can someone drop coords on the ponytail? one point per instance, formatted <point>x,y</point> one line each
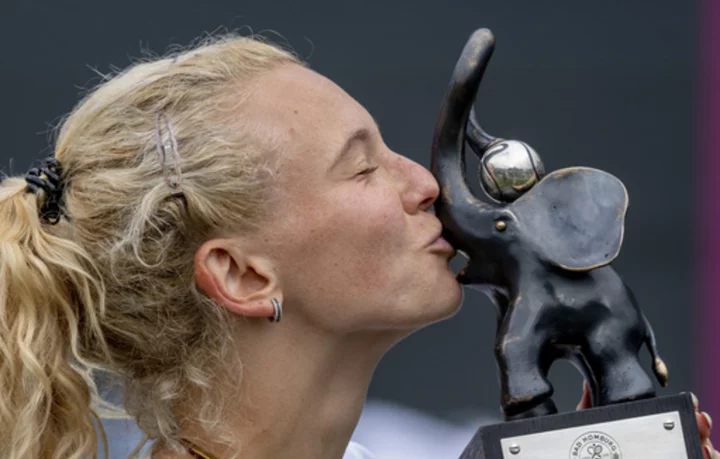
<point>51,299</point>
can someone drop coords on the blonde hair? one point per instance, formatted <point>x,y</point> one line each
<point>111,288</point>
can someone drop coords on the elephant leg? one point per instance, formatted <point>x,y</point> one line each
<point>523,375</point>
<point>619,375</point>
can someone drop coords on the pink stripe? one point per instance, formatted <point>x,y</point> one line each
<point>708,316</point>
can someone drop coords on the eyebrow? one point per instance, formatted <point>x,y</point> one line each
<point>359,135</point>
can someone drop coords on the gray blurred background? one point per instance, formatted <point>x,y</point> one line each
<point>604,84</point>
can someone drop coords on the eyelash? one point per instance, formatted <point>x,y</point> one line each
<point>368,170</point>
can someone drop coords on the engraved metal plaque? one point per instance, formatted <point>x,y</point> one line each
<point>657,436</point>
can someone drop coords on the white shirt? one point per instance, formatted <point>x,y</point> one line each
<point>357,451</point>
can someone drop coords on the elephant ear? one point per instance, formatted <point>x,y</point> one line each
<point>574,217</point>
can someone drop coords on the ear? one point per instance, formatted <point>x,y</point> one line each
<point>574,217</point>
<point>241,283</point>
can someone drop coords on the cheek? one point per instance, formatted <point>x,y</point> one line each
<point>377,227</point>
<point>353,239</point>
<point>379,220</point>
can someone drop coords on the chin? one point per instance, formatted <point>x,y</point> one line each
<point>454,300</point>
<point>426,306</point>
<point>444,303</point>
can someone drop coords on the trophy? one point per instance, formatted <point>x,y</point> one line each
<point>540,246</point>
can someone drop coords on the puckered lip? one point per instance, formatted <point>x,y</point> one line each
<point>440,244</point>
<point>433,239</point>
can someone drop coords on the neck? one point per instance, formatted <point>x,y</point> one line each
<point>301,393</point>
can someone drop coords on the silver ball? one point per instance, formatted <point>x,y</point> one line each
<point>510,168</point>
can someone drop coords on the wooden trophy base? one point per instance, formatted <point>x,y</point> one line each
<point>657,428</point>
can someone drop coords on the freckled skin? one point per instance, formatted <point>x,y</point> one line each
<point>351,248</point>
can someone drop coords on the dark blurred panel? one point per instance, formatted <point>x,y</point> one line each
<point>603,84</point>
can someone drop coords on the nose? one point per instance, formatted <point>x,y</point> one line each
<point>418,186</point>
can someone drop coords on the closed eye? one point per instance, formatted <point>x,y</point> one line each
<point>368,170</point>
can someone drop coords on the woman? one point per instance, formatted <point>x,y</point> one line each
<point>191,199</point>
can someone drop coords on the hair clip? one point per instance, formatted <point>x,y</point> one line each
<point>168,147</point>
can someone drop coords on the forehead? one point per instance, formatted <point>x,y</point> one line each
<point>306,108</point>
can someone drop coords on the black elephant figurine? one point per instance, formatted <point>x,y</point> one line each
<point>541,250</point>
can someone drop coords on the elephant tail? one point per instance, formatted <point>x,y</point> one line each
<point>659,367</point>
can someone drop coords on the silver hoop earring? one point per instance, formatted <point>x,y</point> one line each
<point>277,314</point>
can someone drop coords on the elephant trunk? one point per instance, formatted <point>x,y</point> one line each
<point>457,207</point>
<point>477,138</point>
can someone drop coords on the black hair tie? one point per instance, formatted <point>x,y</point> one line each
<point>48,176</point>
